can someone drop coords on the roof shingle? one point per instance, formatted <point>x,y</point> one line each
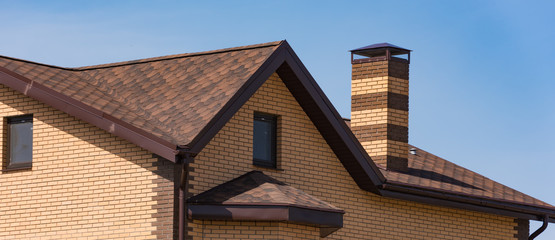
<point>434,173</point>
<point>257,188</point>
<point>427,171</point>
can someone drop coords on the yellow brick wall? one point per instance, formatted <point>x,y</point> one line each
<point>380,116</point>
<point>240,230</point>
<point>306,162</point>
<point>378,84</point>
<point>84,184</point>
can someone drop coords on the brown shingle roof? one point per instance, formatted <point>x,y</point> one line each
<point>431,172</point>
<point>256,196</point>
<point>257,188</point>
<point>171,97</point>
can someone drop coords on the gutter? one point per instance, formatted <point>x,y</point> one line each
<point>464,202</point>
<point>88,114</point>
<point>541,229</point>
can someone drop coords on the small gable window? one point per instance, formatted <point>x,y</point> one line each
<point>20,141</point>
<point>264,140</point>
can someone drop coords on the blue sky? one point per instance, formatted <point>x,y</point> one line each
<point>482,77</point>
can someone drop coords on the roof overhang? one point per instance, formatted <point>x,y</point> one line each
<point>327,221</point>
<point>88,114</point>
<point>448,199</point>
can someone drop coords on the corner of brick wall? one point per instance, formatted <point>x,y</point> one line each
<point>522,229</point>
<point>188,194</point>
<point>165,207</point>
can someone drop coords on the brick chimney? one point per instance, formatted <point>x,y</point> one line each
<point>380,103</point>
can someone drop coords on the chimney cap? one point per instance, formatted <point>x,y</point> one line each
<point>381,45</point>
<point>379,49</point>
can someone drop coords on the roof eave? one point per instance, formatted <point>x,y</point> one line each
<point>328,222</point>
<point>443,198</point>
<point>88,114</point>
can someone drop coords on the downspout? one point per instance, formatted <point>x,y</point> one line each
<point>541,229</point>
<point>183,188</point>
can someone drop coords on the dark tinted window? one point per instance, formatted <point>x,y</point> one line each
<point>20,141</point>
<point>264,140</point>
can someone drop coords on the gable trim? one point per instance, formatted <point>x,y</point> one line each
<point>236,102</point>
<point>88,114</point>
<point>337,134</point>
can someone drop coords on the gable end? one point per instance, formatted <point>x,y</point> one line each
<point>314,102</point>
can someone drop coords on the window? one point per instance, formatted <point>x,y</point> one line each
<point>264,140</point>
<point>20,141</point>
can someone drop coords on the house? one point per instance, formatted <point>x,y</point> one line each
<point>237,143</point>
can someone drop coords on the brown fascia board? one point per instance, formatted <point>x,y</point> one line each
<point>274,204</point>
<point>88,114</point>
<point>330,221</point>
<point>306,91</point>
<point>448,199</point>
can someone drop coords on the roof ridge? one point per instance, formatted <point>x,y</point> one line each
<point>175,56</point>
<point>36,63</point>
<point>151,59</point>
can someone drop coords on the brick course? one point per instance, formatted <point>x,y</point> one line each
<point>240,230</point>
<point>380,100</point>
<point>166,209</point>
